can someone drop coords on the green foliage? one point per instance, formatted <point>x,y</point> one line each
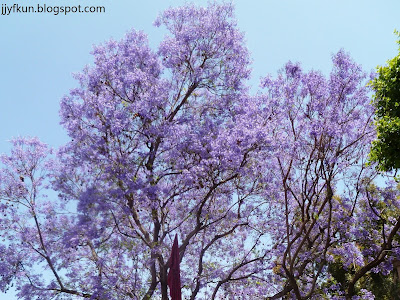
<point>339,273</point>
<point>383,287</point>
<point>386,148</point>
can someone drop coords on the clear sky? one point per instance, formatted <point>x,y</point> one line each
<point>39,52</point>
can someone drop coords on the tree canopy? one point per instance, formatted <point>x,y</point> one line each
<point>386,85</point>
<point>269,193</point>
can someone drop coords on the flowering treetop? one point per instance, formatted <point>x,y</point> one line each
<point>269,193</point>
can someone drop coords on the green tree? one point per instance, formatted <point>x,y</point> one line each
<point>386,148</point>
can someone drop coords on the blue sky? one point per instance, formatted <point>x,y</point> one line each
<point>39,52</point>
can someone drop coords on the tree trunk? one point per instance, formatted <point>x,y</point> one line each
<point>164,282</point>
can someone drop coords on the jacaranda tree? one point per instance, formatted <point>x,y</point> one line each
<point>269,194</point>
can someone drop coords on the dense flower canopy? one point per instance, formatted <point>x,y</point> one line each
<point>269,193</point>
